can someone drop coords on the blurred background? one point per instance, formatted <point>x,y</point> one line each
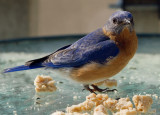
<point>30,18</point>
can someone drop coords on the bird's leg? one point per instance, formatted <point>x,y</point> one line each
<point>102,90</point>
<point>89,89</point>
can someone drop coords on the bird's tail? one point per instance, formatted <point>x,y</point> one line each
<point>32,64</point>
<point>21,68</point>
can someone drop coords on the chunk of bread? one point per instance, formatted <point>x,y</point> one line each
<point>142,103</point>
<point>100,110</point>
<point>127,112</point>
<point>44,84</point>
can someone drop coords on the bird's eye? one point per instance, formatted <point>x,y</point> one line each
<point>115,20</point>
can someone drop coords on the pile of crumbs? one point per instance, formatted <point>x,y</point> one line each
<point>44,84</point>
<point>101,104</point>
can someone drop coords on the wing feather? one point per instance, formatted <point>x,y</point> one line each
<point>75,57</point>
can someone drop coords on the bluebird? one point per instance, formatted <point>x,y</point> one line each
<point>96,56</point>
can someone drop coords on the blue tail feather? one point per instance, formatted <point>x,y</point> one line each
<point>21,68</point>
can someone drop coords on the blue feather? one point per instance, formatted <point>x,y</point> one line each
<point>78,57</point>
<point>20,68</point>
<point>91,39</point>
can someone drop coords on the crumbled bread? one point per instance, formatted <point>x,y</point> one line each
<point>142,102</point>
<point>74,108</point>
<point>101,103</point>
<point>127,112</point>
<point>100,110</point>
<point>124,103</point>
<point>97,99</point>
<point>91,101</point>
<point>91,97</point>
<point>107,83</point>
<point>44,84</point>
<point>110,104</point>
<point>85,106</point>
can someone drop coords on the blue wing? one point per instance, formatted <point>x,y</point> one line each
<point>91,39</point>
<point>76,57</point>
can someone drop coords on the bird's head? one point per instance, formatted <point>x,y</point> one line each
<point>120,20</point>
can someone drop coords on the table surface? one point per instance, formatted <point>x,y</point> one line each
<point>17,93</point>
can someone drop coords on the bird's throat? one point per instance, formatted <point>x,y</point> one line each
<point>126,41</point>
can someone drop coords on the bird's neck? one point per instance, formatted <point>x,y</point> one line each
<point>126,41</point>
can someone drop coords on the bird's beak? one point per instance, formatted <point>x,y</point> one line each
<point>128,22</point>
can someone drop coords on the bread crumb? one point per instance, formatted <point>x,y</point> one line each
<point>107,83</point>
<point>100,104</point>
<point>100,110</point>
<point>97,99</point>
<point>91,101</point>
<point>75,97</point>
<point>142,103</point>
<point>85,106</point>
<point>44,84</point>
<point>124,103</point>
<point>110,104</point>
<point>127,112</point>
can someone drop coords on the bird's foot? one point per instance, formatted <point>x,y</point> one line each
<point>89,89</point>
<point>106,90</point>
<point>96,88</point>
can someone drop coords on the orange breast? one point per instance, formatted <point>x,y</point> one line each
<point>92,73</point>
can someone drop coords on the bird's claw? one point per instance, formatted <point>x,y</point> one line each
<point>89,89</point>
<point>96,88</point>
<point>108,90</point>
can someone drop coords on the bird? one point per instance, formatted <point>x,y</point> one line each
<point>95,57</point>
